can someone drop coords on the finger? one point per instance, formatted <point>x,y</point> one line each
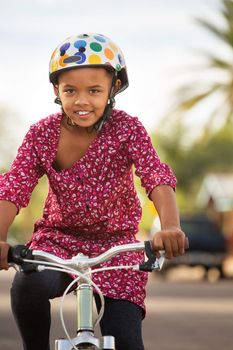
<point>181,244</point>
<point>157,243</point>
<point>175,247</point>
<point>168,249</point>
<point>3,256</point>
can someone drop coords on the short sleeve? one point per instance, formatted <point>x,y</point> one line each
<point>151,171</point>
<point>17,185</point>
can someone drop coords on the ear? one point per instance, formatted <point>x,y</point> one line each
<point>57,99</point>
<point>117,86</point>
<point>55,89</point>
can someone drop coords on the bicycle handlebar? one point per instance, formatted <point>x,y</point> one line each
<point>20,254</point>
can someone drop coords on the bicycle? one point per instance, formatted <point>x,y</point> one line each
<point>81,266</point>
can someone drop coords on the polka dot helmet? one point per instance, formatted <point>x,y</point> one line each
<point>91,49</point>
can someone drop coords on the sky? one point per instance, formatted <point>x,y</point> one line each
<point>158,38</point>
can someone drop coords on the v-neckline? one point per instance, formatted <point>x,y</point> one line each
<point>80,160</point>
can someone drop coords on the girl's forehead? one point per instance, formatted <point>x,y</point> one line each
<point>85,74</point>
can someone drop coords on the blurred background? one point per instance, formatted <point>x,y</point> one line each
<point>179,55</point>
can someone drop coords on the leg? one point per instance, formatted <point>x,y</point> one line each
<point>123,320</point>
<point>30,294</point>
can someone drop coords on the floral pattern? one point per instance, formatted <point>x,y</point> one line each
<point>93,205</point>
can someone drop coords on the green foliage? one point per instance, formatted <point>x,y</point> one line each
<point>210,153</point>
<point>211,84</point>
<point>213,150</point>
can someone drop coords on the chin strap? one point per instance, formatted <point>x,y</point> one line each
<point>58,101</point>
<point>107,112</point>
<point>109,107</point>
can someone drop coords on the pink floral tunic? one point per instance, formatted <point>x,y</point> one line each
<point>93,205</point>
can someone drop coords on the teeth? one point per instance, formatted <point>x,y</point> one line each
<point>82,112</point>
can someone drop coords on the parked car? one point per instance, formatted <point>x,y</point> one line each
<point>207,246</point>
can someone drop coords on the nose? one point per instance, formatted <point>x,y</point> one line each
<point>81,99</point>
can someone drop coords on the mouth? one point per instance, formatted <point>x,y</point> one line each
<point>83,114</point>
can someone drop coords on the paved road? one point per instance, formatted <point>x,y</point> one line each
<point>182,315</point>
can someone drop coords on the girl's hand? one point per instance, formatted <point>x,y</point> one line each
<point>171,240</point>
<point>4,247</point>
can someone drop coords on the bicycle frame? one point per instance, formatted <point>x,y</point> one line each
<point>80,265</point>
<point>85,338</point>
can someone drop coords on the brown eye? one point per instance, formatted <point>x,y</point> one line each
<point>69,91</point>
<point>93,91</point>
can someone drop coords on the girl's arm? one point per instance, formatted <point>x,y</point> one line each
<point>170,238</point>
<point>8,212</point>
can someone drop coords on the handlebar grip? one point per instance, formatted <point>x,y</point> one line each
<point>17,253</point>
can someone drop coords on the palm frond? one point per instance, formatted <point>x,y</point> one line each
<point>217,62</point>
<point>190,102</point>
<point>189,95</point>
<point>227,12</point>
<point>225,36</point>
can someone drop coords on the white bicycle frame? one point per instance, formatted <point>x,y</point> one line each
<point>81,266</point>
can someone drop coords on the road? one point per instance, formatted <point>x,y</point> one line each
<point>182,314</point>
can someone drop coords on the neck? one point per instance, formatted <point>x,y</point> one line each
<point>70,125</point>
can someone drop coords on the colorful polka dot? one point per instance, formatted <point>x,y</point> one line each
<point>94,59</point>
<point>83,36</point>
<point>113,46</point>
<point>100,38</point>
<point>72,59</point>
<point>54,66</point>
<point>64,48</point>
<point>118,67</point>
<point>121,59</point>
<point>81,56</point>
<point>80,43</point>
<point>61,60</point>
<point>109,54</point>
<point>54,53</point>
<point>96,47</point>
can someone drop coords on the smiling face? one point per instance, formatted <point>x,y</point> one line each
<point>84,94</point>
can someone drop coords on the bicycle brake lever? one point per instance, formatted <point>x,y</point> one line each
<point>153,263</point>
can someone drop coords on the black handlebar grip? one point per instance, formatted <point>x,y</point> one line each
<point>17,253</point>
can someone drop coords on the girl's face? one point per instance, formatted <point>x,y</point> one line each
<point>84,94</point>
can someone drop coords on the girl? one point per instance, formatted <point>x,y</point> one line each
<point>87,152</point>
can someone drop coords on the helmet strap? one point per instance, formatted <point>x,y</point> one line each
<point>58,100</point>
<point>109,107</point>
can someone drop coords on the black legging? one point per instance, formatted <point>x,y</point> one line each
<point>30,294</point>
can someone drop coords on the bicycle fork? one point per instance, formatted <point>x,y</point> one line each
<point>85,338</point>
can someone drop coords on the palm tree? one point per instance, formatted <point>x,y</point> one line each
<point>190,95</point>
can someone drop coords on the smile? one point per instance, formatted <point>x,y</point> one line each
<point>83,112</point>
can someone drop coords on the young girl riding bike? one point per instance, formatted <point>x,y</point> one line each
<point>87,152</point>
